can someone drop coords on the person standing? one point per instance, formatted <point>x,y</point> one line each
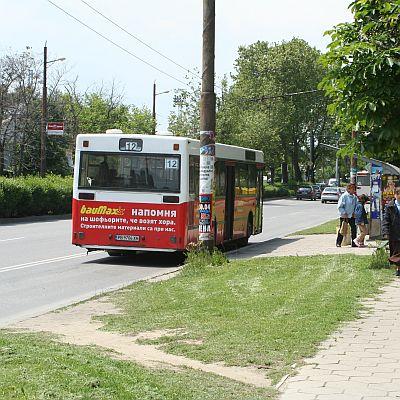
<point>391,226</point>
<point>361,220</point>
<point>347,206</point>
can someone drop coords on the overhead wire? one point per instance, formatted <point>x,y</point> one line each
<point>259,99</point>
<point>140,40</point>
<point>280,96</point>
<point>117,45</point>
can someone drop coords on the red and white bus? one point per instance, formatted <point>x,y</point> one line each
<point>140,192</point>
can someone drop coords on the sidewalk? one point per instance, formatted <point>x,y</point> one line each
<point>362,360</point>
<point>307,245</point>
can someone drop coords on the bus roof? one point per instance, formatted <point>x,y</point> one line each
<point>163,144</point>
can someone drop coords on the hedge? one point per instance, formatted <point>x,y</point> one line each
<point>32,195</point>
<point>276,191</point>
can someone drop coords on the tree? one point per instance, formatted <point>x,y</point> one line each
<point>184,120</point>
<point>19,78</point>
<point>286,126</point>
<point>363,75</point>
<point>20,115</point>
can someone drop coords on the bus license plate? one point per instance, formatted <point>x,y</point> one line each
<point>127,238</point>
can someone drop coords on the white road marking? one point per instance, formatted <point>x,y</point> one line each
<point>7,240</point>
<point>40,262</point>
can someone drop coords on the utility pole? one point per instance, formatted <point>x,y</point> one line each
<point>44,116</point>
<point>312,158</point>
<point>337,170</point>
<point>154,108</point>
<point>207,128</point>
<point>353,166</point>
<point>155,94</point>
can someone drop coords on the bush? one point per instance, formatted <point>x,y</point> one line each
<point>379,258</point>
<point>32,195</point>
<point>277,190</point>
<point>198,259</point>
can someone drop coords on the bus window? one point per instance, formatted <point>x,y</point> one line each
<point>237,180</point>
<point>244,179</point>
<point>194,175</point>
<point>133,172</point>
<point>252,179</point>
<point>220,178</point>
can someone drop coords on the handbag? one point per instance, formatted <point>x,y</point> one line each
<point>344,228</point>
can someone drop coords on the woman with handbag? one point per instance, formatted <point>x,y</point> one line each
<point>346,207</point>
<point>391,229</point>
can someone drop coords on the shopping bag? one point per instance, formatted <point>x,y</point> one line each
<point>344,228</point>
<point>347,239</point>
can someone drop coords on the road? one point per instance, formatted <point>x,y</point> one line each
<point>41,271</point>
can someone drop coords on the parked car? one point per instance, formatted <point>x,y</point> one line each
<point>306,192</point>
<point>317,190</point>
<point>331,193</point>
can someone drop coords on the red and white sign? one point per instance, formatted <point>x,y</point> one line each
<point>55,128</point>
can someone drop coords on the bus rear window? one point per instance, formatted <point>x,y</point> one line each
<point>133,172</point>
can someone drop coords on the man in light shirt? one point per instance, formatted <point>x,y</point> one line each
<point>346,207</point>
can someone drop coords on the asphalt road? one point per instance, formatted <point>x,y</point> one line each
<point>40,270</point>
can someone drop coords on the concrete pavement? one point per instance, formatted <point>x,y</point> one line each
<point>362,360</point>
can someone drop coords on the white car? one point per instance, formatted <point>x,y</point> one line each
<point>331,193</point>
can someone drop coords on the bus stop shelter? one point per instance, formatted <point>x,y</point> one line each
<point>384,178</point>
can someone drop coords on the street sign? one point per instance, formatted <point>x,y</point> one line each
<point>55,128</point>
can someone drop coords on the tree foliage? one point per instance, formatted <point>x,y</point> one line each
<point>88,112</point>
<point>363,74</point>
<point>254,110</point>
<point>261,113</point>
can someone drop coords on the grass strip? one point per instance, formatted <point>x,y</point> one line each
<point>269,312</point>
<point>325,228</point>
<point>34,367</point>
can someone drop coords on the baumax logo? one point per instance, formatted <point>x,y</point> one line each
<point>102,210</point>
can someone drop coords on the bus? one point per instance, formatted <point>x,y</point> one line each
<point>141,192</point>
<point>363,183</point>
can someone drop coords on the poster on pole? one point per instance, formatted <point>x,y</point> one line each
<point>55,128</point>
<point>376,191</point>
<point>206,184</point>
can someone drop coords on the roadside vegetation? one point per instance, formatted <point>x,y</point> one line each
<point>325,228</point>
<point>265,312</point>
<point>32,195</point>
<point>277,190</point>
<point>34,367</point>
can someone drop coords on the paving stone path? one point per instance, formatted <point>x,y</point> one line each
<point>360,362</point>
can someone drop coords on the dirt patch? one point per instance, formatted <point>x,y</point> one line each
<point>75,325</point>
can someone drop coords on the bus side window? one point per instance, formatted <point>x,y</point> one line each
<point>194,169</point>
<point>220,178</point>
<point>237,179</point>
<point>244,179</point>
<point>252,179</point>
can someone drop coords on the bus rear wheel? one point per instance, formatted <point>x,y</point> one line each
<point>249,231</point>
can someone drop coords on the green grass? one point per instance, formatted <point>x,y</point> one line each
<point>327,227</point>
<point>266,311</point>
<point>34,367</point>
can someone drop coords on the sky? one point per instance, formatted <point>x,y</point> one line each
<point>173,27</point>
